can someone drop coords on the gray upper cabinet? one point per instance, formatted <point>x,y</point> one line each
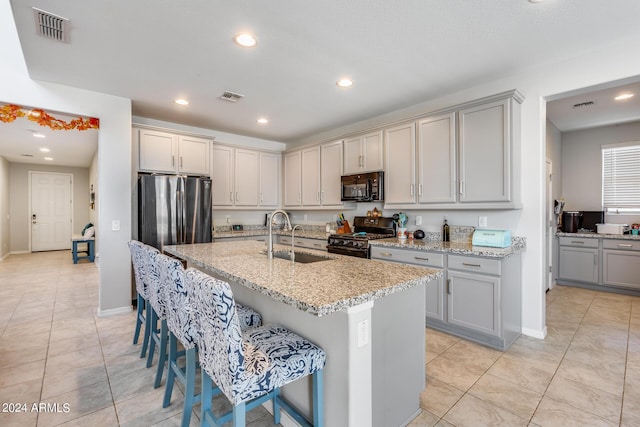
<point>437,159</point>
<point>363,153</point>
<point>485,153</point>
<point>400,164</point>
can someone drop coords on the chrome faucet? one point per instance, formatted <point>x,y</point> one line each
<point>270,241</point>
<point>293,240</point>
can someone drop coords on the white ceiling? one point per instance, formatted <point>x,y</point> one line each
<point>397,53</point>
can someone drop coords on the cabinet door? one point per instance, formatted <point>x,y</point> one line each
<point>222,175</point>
<point>621,268</point>
<point>352,155</point>
<point>485,153</point>
<point>578,264</point>
<point>311,177</point>
<point>435,299</point>
<point>246,177</point>
<point>474,302</point>
<point>292,179</point>
<point>157,151</point>
<point>193,155</point>
<point>330,173</point>
<point>399,152</point>
<point>269,179</point>
<point>437,159</point>
<point>372,152</point>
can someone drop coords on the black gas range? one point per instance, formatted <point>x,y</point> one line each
<point>364,229</point>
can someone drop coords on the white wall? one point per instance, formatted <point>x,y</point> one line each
<point>114,150</point>
<point>4,208</point>
<point>554,153</point>
<point>19,200</point>
<point>582,166</point>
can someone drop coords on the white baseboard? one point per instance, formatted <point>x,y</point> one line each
<point>535,333</point>
<point>114,311</point>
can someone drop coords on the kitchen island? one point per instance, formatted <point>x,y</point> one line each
<point>367,315</point>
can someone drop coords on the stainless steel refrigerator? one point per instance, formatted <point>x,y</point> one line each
<point>173,210</point>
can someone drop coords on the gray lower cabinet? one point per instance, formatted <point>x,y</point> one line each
<point>435,288</point>
<point>621,263</point>
<point>579,260</point>
<point>304,242</point>
<point>477,298</point>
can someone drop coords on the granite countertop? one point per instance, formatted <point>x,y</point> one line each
<point>319,288</point>
<point>599,236</point>
<point>518,244</point>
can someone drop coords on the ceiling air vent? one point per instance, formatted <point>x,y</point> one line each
<point>584,104</point>
<point>51,26</point>
<point>231,96</point>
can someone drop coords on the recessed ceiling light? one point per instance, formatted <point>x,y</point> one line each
<point>344,82</point>
<point>44,150</point>
<point>263,121</point>
<point>245,40</point>
<point>48,158</point>
<point>181,101</point>
<point>623,96</point>
<point>38,135</point>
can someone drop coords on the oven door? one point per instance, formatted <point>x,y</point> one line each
<point>341,250</point>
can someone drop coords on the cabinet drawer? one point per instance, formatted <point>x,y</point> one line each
<point>583,242</point>
<point>622,245</point>
<point>427,259</point>
<point>473,264</point>
<point>303,242</point>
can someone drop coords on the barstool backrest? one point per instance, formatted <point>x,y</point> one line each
<point>179,314</point>
<point>155,286</point>
<point>138,258</point>
<point>220,344</point>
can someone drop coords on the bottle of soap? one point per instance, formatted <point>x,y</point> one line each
<point>445,231</point>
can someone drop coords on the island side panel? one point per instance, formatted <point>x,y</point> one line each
<point>345,390</point>
<point>398,356</point>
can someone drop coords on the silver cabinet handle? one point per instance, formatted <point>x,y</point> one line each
<point>420,190</point>
<point>577,242</point>
<point>322,196</point>
<point>261,197</point>
<point>461,187</point>
<point>231,196</point>
<point>421,259</point>
<point>317,245</point>
<point>386,254</point>
<point>412,189</point>
<point>236,196</point>
<point>173,161</point>
<point>624,245</point>
<point>471,265</point>
<point>448,286</point>
<point>595,259</point>
<point>180,161</point>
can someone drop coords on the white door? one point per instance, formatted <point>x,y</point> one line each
<point>330,173</point>
<point>51,207</point>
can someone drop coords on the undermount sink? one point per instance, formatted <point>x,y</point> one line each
<point>301,257</point>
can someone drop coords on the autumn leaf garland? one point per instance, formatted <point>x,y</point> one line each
<point>10,112</point>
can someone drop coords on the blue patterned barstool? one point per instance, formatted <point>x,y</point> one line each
<point>182,328</point>
<point>158,299</point>
<point>139,260</point>
<point>250,366</point>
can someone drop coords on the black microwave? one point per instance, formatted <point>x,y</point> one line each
<point>363,187</point>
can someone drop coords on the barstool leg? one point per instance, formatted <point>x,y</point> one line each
<point>189,387</point>
<point>139,316</point>
<point>147,328</point>
<point>205,402</point>
<point>239,415</point>
<point>162,352</point>
<point>318,399</point>
<point>153,337</point>
<point>173,351</point>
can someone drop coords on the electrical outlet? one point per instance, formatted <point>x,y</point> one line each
<point>228,219</point>
<point>363,333</point>
<point>419,220</point>
<point>482,221</point>
<point>115,225</point>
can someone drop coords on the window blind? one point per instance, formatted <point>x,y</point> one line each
<point>621,177</point>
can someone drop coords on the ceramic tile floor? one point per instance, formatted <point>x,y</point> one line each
<point>55,350</point>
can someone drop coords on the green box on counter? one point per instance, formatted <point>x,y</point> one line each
<point>492,238</point>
